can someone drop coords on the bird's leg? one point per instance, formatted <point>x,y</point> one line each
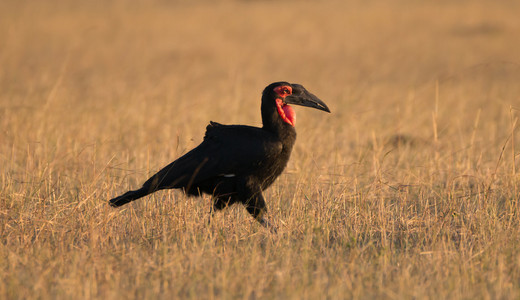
<point>219,203</point>
<point>210,214</point>
<point>255,205</point>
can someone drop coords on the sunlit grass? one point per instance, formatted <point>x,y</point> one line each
<point>409,189</point>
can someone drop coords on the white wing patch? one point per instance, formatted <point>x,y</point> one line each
<point>228,175</point>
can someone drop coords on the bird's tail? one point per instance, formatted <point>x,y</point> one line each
<point>128,197</point>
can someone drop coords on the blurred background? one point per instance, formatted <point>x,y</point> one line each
<point>378,64</point>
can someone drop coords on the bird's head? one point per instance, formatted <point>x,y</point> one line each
<point>281,94</point>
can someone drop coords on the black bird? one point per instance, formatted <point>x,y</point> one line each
<point>235,163</point>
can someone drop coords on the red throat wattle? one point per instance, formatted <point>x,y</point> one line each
<point>286,112</point>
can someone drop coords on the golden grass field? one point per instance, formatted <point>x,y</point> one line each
<point>408,190</point>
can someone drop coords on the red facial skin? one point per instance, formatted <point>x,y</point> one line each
<point>285,111</point>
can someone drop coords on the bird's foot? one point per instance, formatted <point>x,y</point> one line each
<point>268,225</point>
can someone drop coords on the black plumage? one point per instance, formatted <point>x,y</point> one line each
<point>235,163</point>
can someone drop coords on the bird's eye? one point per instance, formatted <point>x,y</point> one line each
<point>283,91</point>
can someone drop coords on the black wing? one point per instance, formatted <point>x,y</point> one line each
<point>227,150</point>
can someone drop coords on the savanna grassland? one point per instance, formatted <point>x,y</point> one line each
<point>409,189</point>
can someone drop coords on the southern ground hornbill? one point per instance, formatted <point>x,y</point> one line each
<point>235,163</point>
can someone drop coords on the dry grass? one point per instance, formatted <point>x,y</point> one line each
<point>408,190</point>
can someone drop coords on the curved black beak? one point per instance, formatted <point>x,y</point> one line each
<point>300,96</point>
